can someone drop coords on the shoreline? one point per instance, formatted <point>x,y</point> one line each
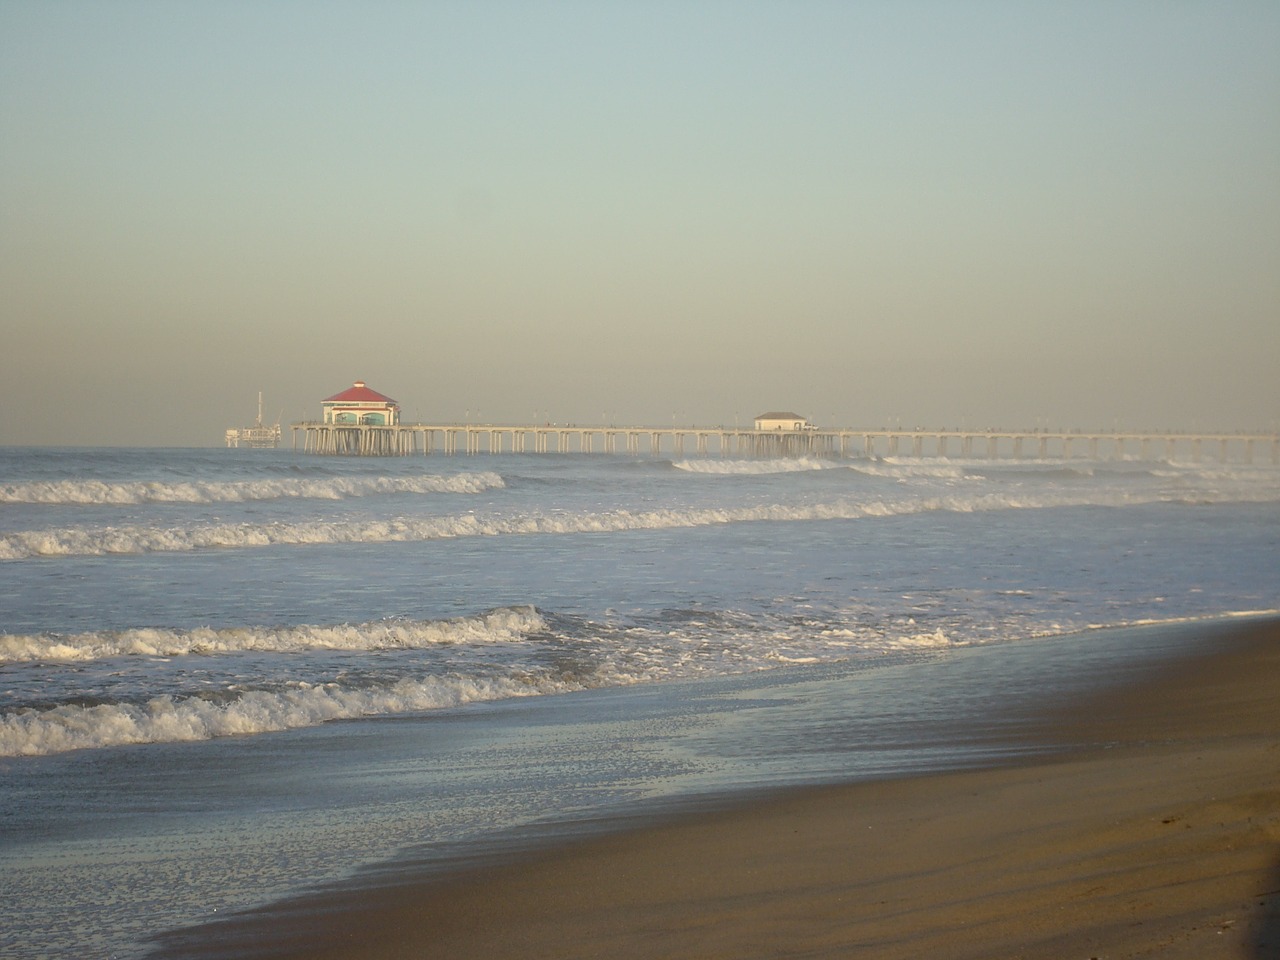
<point>1156,830</point>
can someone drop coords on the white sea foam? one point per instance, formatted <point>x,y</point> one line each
<point>234,491</point>
<point>880,643</point>
<point>754,467</point>
<point>32,732</point>
<point>129,539</point>
<point>505,625</point>
<point>634,656</point>
<point>901,468</point>
<point>240,711</point>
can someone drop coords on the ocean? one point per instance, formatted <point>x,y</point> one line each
<point>230,676</point>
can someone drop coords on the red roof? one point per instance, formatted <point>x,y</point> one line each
<point>358,393</point>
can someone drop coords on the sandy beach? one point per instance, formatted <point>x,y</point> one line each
<point>1156,833</point>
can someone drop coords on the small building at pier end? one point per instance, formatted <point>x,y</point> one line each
<point>360,405</point>
<point>782,421</point>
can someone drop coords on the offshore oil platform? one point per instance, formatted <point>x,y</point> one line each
<point>259,436</point>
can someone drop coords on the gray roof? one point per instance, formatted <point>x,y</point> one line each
<point>779,416</point>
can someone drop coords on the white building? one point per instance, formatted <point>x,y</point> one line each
<point>782,421</point>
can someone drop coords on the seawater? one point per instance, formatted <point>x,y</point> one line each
<point>226,675</point>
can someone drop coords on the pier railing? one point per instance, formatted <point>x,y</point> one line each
<point>407,439</point>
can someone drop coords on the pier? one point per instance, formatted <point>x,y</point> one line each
<point>449,439</point>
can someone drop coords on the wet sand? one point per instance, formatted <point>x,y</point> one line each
<point>1156,834</point>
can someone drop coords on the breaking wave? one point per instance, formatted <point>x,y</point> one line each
<point>754,467</point>
<point>607,658</point>
<point>896,468</point>
<point>131,539</point>
<point>33,732</point>
<point>505,625</point>
<point>234,491</point>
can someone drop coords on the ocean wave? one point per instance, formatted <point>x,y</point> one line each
<point>34,732</point>
<point>754,467</point>
<point>129,539</point>
<point>607,659</point>
<point>504,625</point>
<point>895,468</point>
<point>1212,471</point>
<point>79,492</point>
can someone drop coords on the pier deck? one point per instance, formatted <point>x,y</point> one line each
<point>407,439</point>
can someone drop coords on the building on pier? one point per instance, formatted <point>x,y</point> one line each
<point>782,421</point>
<point>358,405</point>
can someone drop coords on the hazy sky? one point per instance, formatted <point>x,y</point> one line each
<point>953,213</point>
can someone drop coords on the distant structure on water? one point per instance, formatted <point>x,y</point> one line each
<point>259,435</point>
<point>358,405</point>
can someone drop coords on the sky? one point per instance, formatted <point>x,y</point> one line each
<point>905,213</point>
